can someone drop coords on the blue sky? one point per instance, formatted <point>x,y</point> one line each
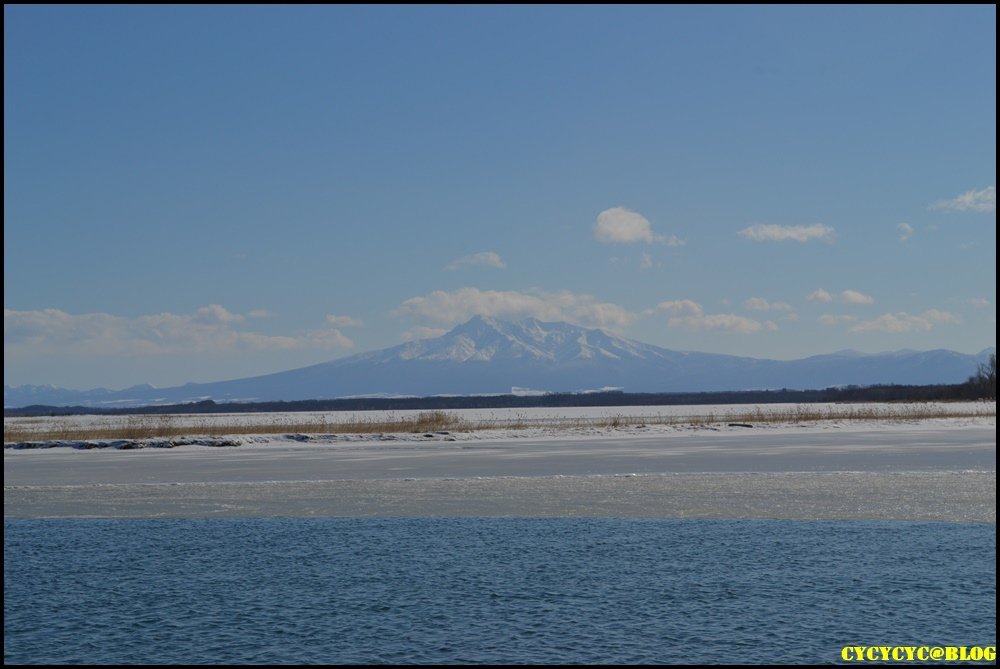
<point>200,193</point>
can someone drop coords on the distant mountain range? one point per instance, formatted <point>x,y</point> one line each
<point>489,356</point>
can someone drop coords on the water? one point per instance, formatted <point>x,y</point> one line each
<point>488,590</point>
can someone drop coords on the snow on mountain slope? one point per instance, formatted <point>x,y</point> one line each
<point>485,339</point>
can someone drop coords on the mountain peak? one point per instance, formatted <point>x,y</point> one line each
<point>476,323</point>
<point>483,338</point>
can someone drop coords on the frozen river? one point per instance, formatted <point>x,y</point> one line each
<point>906,472</point>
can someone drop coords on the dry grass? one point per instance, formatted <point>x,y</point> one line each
<point>167,426</point>
<point>806,414</point>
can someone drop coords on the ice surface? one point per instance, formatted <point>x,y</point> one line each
<point>941,469</point>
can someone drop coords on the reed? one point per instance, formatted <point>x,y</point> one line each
<point>137,427</point>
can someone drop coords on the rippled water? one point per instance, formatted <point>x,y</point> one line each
<point>488,590</point>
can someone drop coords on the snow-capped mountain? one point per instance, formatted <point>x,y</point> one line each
<point>487,339</point>
<point>486,355</point>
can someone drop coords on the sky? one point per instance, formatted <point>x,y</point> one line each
<point>203,193</point>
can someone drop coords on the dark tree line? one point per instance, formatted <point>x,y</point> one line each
<point>984,381</point>
<point>982,385</point>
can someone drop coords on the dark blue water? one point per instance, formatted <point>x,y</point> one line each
<point>488,590</point>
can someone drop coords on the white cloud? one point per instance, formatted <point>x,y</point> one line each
<point>728,322</point>
<point>984,200</point>
<point>780,233</point>
<point>422,332</point>
<point>260,313</point>
<point>680,308</point>
<point>819,295</point>
<point>619,225</point>
<point>903,322</point>
<point>328,338</point>
<point>831,319</point>
<point>760,304</point>
<point>211,329</point>
<point>215,314</point>
<point>846,296</point>
<point>905,231</point>
<point>343,321</point>
<point>674,241</point>
<point>854,297</point>
<point>689,315</point>
<point>443,307</point>
<point>645,261</point>
<point>483,259</point>
<point>979,302</point>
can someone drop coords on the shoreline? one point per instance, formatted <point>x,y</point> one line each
<point>135,432</point>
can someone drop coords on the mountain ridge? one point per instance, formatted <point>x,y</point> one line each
<point>491,356</point>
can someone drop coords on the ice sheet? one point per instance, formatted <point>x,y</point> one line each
<point>939,469</point>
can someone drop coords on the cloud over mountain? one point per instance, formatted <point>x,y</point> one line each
<point>450,307</point>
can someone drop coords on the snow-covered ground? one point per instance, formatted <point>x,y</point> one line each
<point>562,422</point>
